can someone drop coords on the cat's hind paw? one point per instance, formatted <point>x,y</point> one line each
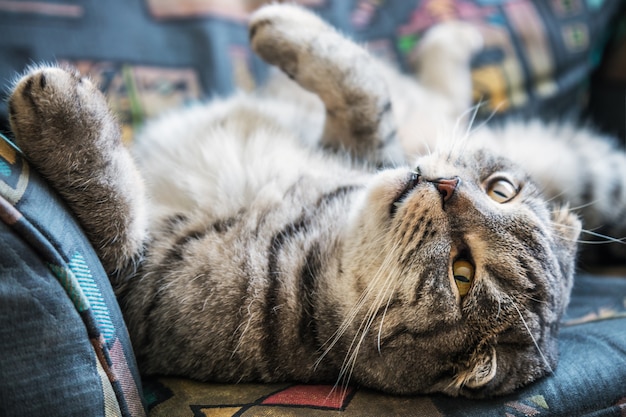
<point>283,36</point>
<point>342,74</point>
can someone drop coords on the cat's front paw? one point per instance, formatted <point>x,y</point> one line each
<point>52,108</point>
<point>62,123</point>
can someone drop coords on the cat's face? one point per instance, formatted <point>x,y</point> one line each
<point>456,287</point>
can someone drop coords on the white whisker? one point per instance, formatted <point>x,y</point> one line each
<point>536,300</point>
<point>370,315</point>
<point>493,113</point>
<point>556,196</point>
<point>379,279</point>
<point>382,320</point>
<point>582,206</point>
<point>608,239</point>
<point>430,152</point>
<point>543,358</point>
<point>606,242</point>
<point>499,308</point>
<point>471,122</point>
<point>245,328</point>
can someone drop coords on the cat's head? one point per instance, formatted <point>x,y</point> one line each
<point>457,274</point>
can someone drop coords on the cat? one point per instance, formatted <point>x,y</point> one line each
<point>358,232</point>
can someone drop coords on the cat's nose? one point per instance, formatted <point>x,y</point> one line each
<point>446,187</point>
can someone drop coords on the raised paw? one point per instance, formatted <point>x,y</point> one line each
<point>52,107</point>
<point>455,40</point>
<point>280,34</point>
<point>63,125</point>
<point>343,75</point>
<point>443,60</point>
<point>59,117</point>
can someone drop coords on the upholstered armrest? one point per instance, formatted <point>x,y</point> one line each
<point>64,348</point>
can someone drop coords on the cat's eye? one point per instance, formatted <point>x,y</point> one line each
<point>501,190</point>
<point>463,272</point>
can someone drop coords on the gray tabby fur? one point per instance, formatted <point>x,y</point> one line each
<point>264,238</point>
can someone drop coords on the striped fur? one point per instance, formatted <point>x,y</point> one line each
<point>269,246</point>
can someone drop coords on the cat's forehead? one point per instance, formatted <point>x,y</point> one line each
<point>471,162</point>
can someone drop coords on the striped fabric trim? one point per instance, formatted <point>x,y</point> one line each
<point>111,405</point>
<point>78,265</point>
<point>69,282</point>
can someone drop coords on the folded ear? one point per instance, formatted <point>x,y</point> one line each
<point>481,370</point>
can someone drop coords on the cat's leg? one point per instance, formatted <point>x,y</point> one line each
<point>63,125</point>
<point>443,62</point>
<point>359,115</point>
<point>433,108</point>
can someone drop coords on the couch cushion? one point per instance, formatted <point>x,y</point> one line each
<point>64,348</point>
